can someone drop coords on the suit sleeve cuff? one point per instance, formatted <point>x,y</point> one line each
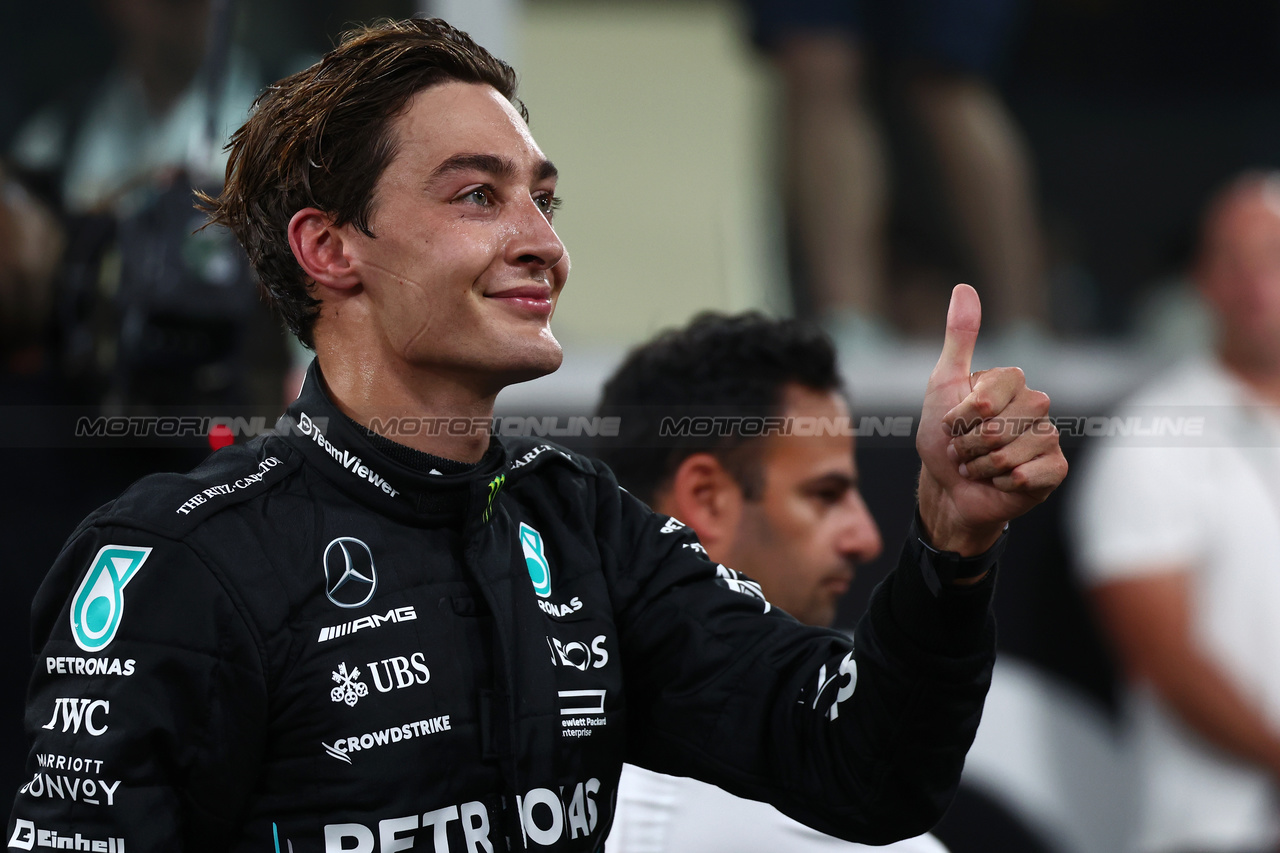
<point>943,618</point>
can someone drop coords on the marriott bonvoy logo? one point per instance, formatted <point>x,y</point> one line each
<point>345,458</point>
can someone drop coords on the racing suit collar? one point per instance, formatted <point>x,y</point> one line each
<point>343,453</point>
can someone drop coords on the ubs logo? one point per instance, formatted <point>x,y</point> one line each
<point>350,578</point>
<point>350,688</point>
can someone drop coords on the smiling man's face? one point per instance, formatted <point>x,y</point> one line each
<point>464,271</point>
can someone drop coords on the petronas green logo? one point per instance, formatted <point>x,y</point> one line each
<point>99,602</point>
<point>535,560</point>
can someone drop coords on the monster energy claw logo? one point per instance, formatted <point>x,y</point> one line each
<point>99,602</point>
<point>539,570</point>
<point>495,486</point>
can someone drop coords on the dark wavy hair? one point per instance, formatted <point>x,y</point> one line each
<point>718,365</point>
<point>322,137</point>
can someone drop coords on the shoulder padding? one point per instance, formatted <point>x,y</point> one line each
<point>174,504</point>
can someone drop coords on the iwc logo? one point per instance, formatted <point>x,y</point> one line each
<point>349,575</point>
<point>99,602</point>
<point>535,560</point>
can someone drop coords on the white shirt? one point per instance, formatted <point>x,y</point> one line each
<point>669,814</point>
<point>1209,505</point>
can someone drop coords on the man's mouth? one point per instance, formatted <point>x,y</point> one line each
<point>533,298</point>
<point>839,583</point>
<point>836,586</point>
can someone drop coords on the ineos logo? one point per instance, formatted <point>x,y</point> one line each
<point>350,578</point>
<point>579,655</point>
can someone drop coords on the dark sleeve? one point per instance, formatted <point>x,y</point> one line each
<point>863,739</point>
<point>147,708</point>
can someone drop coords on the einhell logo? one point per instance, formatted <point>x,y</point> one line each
<point>27,835</point>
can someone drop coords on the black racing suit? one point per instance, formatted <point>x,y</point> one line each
<point>307,645</point>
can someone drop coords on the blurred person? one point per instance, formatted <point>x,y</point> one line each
<point>337,636</point>
<point>836,167</point>
<point>31,244</point>
<point>1179,545</point>
<point>784,509</point>
<point>147,118</point>
<point>152,310</point>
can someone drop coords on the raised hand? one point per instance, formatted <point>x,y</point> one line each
<point>988,449</point>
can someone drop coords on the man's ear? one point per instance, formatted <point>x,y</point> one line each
<point>706,497</point>
<point>321,249</point>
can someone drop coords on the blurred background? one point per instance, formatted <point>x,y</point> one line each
<point>1059,159</point>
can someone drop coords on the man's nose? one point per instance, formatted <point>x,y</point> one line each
<point>534,243</point>
<point>860,539</point>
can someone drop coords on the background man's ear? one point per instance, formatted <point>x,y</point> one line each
<point>706,497</point>
<point>321,249</point>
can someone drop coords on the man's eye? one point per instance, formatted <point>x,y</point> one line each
<point>549,204</point>
<point>482,196</point>
<point>830,497</point>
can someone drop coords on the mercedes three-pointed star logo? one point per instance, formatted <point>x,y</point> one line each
<point>350,579</point>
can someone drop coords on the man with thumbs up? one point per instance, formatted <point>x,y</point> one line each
<point>503,624</point>
<point>783,505</point>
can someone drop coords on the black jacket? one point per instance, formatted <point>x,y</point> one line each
<point>307,645</point>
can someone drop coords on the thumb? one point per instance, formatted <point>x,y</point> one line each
<point>964,316</point>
